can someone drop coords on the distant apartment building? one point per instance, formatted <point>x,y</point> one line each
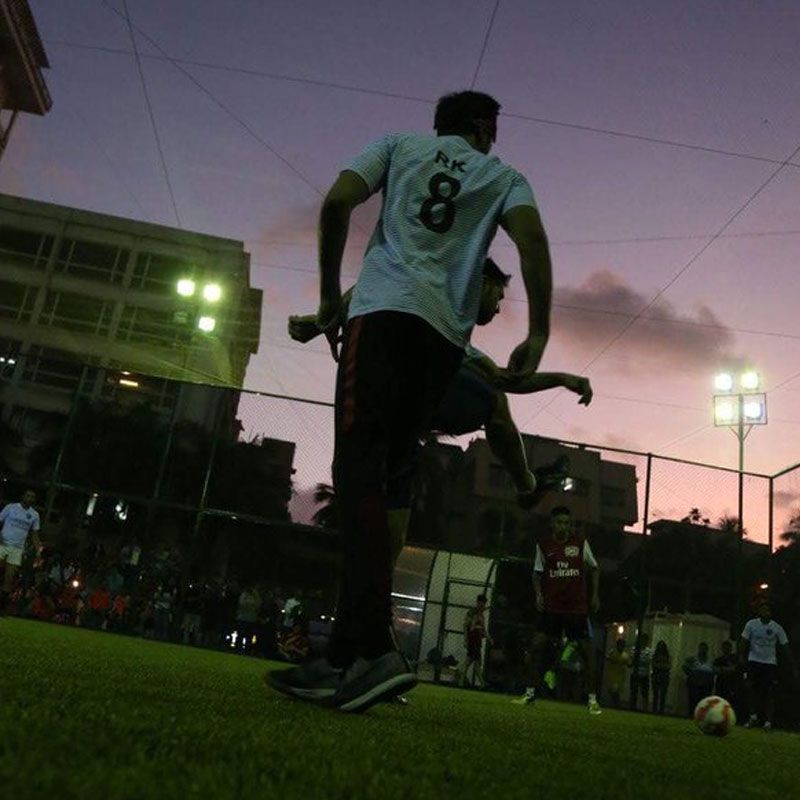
<point>465,500</point>
<point>22,59</point>
<point>90,303</point>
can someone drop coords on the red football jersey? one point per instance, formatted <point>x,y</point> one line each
<point>562,566</point>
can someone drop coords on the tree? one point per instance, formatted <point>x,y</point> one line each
<point>327,515</point>
<point>730,524</point>
<point>792,534</point>
<point>696,518</point>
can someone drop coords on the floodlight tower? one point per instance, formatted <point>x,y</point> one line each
<point>738,405</point>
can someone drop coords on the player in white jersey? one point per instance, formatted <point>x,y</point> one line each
<point>762,640</point>
<point>411,314</point>
<point>17,522</point>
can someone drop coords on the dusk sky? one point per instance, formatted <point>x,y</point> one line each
<point>655,135</point>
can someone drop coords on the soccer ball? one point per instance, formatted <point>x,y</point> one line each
<point>714,716</point>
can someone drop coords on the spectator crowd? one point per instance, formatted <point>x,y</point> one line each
<point>126,593</point>
<point>649,677</point>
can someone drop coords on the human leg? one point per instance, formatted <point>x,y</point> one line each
<point>390,382</point>
<point>505,442</point>
<point>9,579</point>
<point>634,698</point>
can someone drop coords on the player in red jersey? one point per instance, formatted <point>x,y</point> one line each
<point>566,581</point>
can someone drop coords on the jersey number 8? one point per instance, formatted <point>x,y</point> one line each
<point>437,200</point>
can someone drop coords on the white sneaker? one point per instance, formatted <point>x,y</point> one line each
<point>528,699</point>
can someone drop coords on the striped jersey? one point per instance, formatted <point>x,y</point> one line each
<point>442,202</point>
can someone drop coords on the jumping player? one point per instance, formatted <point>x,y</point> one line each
<point>476,398</point>
<point>410,317</point>
<point>566,584</point>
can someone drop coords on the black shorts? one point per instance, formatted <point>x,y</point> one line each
<point>574,626</point>
<point>762,676</point>
<point>393,372</point>
<point>468,404</point>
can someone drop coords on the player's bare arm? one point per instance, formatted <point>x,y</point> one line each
<point>525,383</point>
<point>304,328</point>
<point>347,192</point>
<point>516,383</point>
<point>785,653</point>
<point>524,226</point>
<point>594,590</point>
<point>537,591</point>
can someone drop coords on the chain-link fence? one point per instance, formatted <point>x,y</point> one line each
<point>201,513</point>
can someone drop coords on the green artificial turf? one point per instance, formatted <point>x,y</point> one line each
<point>93,715</point>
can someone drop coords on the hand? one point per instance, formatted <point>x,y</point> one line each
<point>539,602</point>
<point>303,327</point>
<point>581,386</point>
<point>330,323</point>
<point>527,355</point>
<point>594,604</point>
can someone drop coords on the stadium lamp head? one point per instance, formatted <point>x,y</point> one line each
<point>725,411</point>
<point>212,292</point>
<point>185,287</point>
<point>723,382</point>
<point>753,409</point>
<point>749,380</point>
<point>206,324</point>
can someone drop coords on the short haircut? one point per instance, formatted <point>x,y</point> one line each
<point>481,598</point>
<point>494,273</point>
<point>456,113</point>
<point>558,510</point>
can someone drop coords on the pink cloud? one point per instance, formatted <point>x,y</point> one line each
<point>595,312</point>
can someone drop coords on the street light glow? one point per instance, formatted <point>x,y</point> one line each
<point>749,380</point>
<point>129,383</point>
<point>724,411</point>
<point>186,287</point>
<point>212,292</point>
<point>723,382</point>
<point>753,409</point>
<point>206,324</point>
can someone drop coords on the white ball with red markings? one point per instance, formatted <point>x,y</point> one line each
<point>715,716</point>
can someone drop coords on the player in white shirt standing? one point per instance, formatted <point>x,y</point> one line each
<point>17,522</point>
<point>762,640</point>
<point>410,317</point>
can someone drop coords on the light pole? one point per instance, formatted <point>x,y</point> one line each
<point>738,405</point>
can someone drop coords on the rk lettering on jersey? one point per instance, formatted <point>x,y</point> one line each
<point>456,166</point>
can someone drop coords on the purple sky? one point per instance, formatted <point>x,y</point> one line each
<point>625,215</point>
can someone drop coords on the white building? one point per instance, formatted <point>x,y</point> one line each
<point>90,302</point>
